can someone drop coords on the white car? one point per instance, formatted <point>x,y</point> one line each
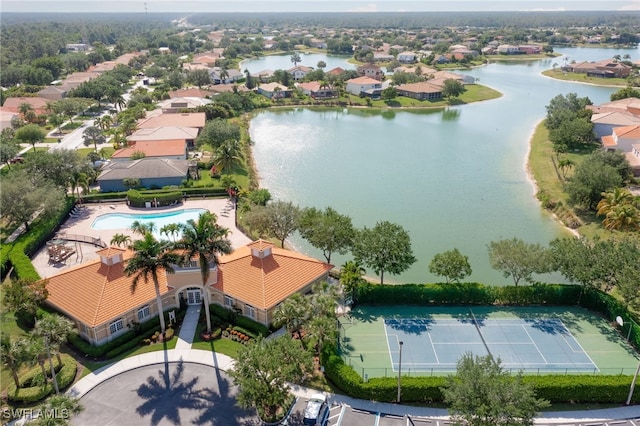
<point>316,412</point>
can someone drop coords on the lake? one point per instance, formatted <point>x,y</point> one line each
<point>453,178</point>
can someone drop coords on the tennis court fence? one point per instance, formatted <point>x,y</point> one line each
<point>409,372</point>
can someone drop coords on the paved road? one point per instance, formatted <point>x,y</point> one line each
<point>193,394</point>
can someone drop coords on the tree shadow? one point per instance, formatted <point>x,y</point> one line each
<point>166,395</point>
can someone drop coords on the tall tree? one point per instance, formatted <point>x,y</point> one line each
<point>293,313</point>
<point>13,355</point>
<point>264,370</point>
<point>56,329</point>
<point>120,240</point>
<point>23,200</point>
<point>482,393</point>
<point>518,260</point>
<point>451,264</point>
<point>205,240</point>
<point>384,248</point>
<point>619,208</point>
<point>31,134</point>
<point>151,258</point>
<point>228,155</point>
<point>295,58</point>
<point>278,219</point>
<point>326,230</point>
<point>351,278</point>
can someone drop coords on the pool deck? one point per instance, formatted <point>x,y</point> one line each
<point>81,225</point>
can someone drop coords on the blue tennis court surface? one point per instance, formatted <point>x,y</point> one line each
<point>521,344</point>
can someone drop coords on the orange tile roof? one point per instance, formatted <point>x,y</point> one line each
<point>363,80</point>
<point>38,104</point>
<point>95,293</point>
<point>608,141</point>
<point>192,119</point>
<point>160,148</point>
<point>265,282</point>
<point>628,132</point>
<point>192,92</point>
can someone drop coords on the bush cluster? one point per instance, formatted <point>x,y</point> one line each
<point>38,389</point>
<point>250,326</point>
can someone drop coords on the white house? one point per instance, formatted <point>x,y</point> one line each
<point>364,86</point>
<point>407,57</point>
<point>622,138</point>
<point>298,72</point>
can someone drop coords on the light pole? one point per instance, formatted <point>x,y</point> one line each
<point>399,371</point>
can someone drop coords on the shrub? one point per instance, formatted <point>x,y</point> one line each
<point>65,375</point>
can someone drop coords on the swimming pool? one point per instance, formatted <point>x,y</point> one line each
<point>125,220</point>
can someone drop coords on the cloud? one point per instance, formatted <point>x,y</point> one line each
<point>635,6</point>
<point>370,7</point>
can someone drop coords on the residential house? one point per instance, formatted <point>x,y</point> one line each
<point>622,138</point>
<point>167,149</point>
<point>164,133</point>
<point>407,57</point>
<point>318,43</point>
<point>152,173</point>
<point>184,119</point>
<point>605,122</point>
<point>274,91</point>
<point>508,49</point>
<point>54,93</point>
<point>317,91</point>
<point>447,75</point>
<point>530,49</point>
<point>232,75</point>
<point>77,47</point>
<point>630,105</point>
<point>263,76</point>
<point>39,105</point>
<point>223,88</point>
<point>253,280</point>
<point>6,117</point>
<point>364,86</point>
<point>191,92</point>
<point>299,72</point>
<point>371,71</point>
<point>176,105</point>
<point>603,69</point>
<point>164,50</point>
<point>335,71</point>
<point>207,58</point>
<point>422,91</point>
<point>383,57</point>
<point>633,158</point>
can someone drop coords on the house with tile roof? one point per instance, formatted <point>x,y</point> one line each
<point>364,86</point>
<point>607,68</point>
<point>38,104</point>
<point>316,90</point>
<point>169,149</point>
<point>164,133</point>
<point>274,90</point>
<point>176,105</point>
<point>299,71</point>
<point>183,119</point>
<point>372,71</point>
<point>253,280</point>
<point>421,90</point>
<point>622,138</point>
<point>605,122</point>
<point>152,173</point>
<point>191,92</point>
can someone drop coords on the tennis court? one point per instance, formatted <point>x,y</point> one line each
<point>539,340</point>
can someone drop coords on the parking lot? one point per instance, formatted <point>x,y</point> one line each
<point>344,415</point>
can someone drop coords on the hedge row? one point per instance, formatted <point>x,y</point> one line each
<point>555,388</point>
<point>124,342</point>
<point>64,375</point>
<point>189,192</point>
<point>159,199</point>
<point>466,294</point>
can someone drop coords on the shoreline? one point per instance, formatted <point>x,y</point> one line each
<point>534,184</point>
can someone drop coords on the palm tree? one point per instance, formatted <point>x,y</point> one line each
<point>94,135</point>
<point>204,239</point>
<point>58,404</point>
<point>295,58</point>
<point>118,101</point>
<point>224,74</point>
<point>171,230</point>
<point>228,183</point>
<point>618,208</point>
<point>13,355</point>
<point>120,240</point>
<point>24,109</point>
<point>143,228</point>
<point>56,329</point>
<point>351,278</point>
<point>152,257</point>
<point>104,123</point>
<point>78,181</point>
<point>564,165</point>
<point>227,156</point>
<point>128,127</point>
<point>321,330</point>
<point>293,313</point>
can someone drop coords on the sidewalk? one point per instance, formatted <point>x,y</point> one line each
<point>183,352</point>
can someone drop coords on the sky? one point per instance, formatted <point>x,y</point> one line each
<point>191,6</point>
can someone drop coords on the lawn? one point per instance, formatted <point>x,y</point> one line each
<point>582,78</point>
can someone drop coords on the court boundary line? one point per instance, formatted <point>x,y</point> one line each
<point>580,366</point>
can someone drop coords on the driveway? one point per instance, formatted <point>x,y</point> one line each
<point>165,394</point>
